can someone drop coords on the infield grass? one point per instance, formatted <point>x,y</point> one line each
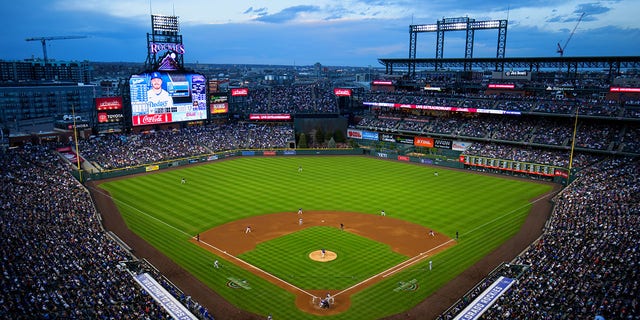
<point>287,258</point>
<point>485,210</point>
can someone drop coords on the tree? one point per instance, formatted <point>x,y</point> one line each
<point>302,141</point>
<point>319,136</point>
<point>331,143</point>
<point>339,136</point>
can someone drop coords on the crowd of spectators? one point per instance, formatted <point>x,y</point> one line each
<point>316,97</point>
<point>586,262</point>
<point>591,134</point>
<point>57,261</point>
<point>530,104</point>
<point>553,157</point>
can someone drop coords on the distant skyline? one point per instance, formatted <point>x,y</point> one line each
<point>333,33</point>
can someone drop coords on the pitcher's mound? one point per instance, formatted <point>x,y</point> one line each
<point>317,256</point>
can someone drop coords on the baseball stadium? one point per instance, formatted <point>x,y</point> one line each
<point>318,199</point>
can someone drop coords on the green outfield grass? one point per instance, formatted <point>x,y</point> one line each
<point>485,210</point>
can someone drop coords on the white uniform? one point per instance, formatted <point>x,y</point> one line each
<point>159,101</point>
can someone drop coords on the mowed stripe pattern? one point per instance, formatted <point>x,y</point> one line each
<point>485,210</point>
<point>287,258</point>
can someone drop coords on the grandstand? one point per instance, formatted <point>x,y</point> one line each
<point>594,223</point>
<point>60,262</point>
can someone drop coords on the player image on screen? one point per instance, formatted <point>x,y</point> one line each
<point>165,97</point>
<point>158,98</point>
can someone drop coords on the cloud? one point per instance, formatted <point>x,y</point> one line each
<point>288,14</point>
<point>259,12</point>
<point>591,9</point>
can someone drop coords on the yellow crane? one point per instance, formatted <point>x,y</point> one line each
<point>44,40</point>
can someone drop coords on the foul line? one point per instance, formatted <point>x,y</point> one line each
<point>209,245</point>
<point>142,212</point>
<point>256,268</point>
<point>506,214</point>
<point>405,264</point>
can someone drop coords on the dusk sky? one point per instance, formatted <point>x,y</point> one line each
<point>302,32</point>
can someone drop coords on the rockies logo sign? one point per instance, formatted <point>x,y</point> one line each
<point>411,285</point>
<point>235,283</point>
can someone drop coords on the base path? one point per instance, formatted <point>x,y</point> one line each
<point>409,239</point>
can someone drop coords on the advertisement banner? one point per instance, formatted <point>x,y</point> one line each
<point>369,135</point>
<point>219,108</point>
<point>423,142</point>
<point>561,173</point>
<point>106,117</point>
<point>240,92</point>
<point>268,153</point>
<point>152,119</point>
<point>403,158</point>
<point>501,86</point>
<point>440,108</point>
<point>396,138</point>
<point>340,92</point>
<point>274,116</point>
<point>442,143</point>
<point>164,298</point>
<point>460,145</point>
<point>486,299</point>
<point>109,103</point>
<point>620,89</point>
<point>387,137</point>
<point>354,134</point>
<point>426,161</point>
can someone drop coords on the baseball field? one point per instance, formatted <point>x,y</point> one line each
<point>243,213</point>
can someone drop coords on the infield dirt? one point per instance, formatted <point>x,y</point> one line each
<point>409,239</point>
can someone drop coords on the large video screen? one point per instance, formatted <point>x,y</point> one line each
<point>165,97</point>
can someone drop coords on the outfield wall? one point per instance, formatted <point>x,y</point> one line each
<point>385,154</point>
<point>107,174</point>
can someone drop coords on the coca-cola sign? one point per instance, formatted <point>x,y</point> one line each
<point>342,92</point>
<point>152,119</point>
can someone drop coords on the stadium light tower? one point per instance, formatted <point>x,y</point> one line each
<point>44,40</point>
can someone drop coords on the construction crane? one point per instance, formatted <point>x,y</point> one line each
<point>44,40</point>
<point>561,48</point>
